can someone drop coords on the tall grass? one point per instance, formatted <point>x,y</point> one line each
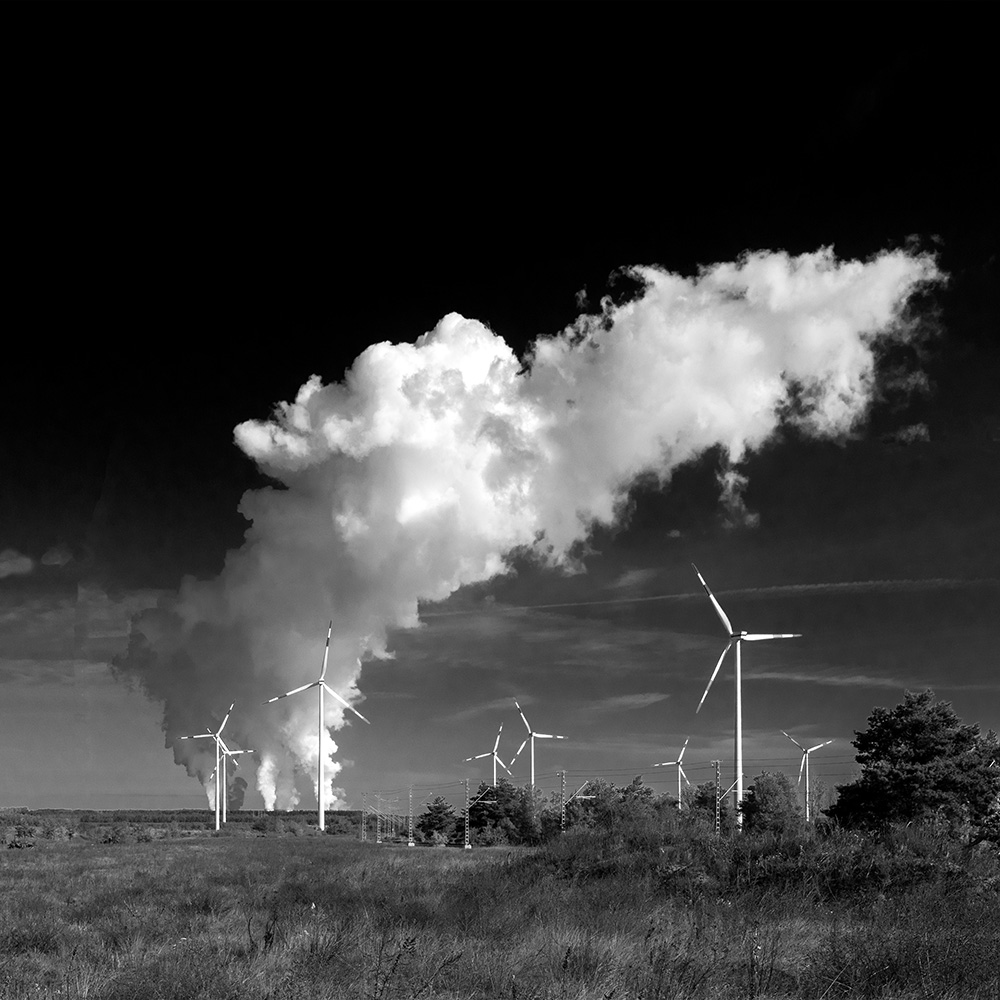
<point>637,912</point>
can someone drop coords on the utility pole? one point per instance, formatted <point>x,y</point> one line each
<point>364,816</point>
<point>468,843</point>
<point>378,817</point>
<point>575,795</point>
<point>562,801</point>
<point>411,842</point>
<point>718,797</point>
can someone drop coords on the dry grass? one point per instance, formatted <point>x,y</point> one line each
<point>325,917</point>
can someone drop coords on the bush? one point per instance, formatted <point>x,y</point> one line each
<point>121,833</point>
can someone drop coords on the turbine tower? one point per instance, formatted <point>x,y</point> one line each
<point>532,736</point>
<point>738,638</point>
<point>680,770</point>
<point>321,687</point>
<point>805,765</point>
<point>217,736</point>
<point>496,757</point>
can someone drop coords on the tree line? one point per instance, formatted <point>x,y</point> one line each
<point>920,765</point>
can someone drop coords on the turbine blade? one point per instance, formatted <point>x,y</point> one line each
<point>326,651</point>
<point>344,702</point>
<point>502,764</point>
<point>723,617</point>
<point>683,748</point>
<point>802,766</point>
<point>667,763</point>
<point>222,745</point>
<point>714,673</point>
<point>818,745</point>
<point>225,720</point>
<point>479,755</point>
<point>305,687</point>
<point>756,637</point>
<point>795,741</point>
<point>497,744</point>
<point>548,736</point>
<point>518,754</point>
<point>683,775</point>
<point>523,719</point>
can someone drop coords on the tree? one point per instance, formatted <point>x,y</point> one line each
<point>920,763</point>
<point>503,814</point>
<point>699,809</point>
<point>770,805</point>
<point>437,824</point>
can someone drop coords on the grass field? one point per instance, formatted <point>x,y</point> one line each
<point>589,916</point>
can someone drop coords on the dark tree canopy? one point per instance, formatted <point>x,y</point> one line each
<point>771,805</point>
<point>503,814</point>
<point>438,821</point>
<point>920,763</point>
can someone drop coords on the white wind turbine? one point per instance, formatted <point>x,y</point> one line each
<point>321,686</point>
<point>738,638</point>
<point>680,769</point>
<point>805,764</point>
<point>217,736</point>
<point>226,754</point>
<point>496,757</point>
<point>532,736</point>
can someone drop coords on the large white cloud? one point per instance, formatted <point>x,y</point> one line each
<point>432,460</point>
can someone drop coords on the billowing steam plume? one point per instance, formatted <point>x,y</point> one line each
<point>431,460</point>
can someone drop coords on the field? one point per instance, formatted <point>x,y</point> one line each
<point>635,913</point>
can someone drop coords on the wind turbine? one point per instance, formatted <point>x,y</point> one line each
<point>532,735</point>
<point>218,743</point>
<point>680,770</point>
<point>738,638</point>
<point>805,764</point>
<point>226,754</point>
<point>496,758</point>
<point>321,686</point>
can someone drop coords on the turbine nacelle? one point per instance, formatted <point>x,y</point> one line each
<point>530,738</point>
<point>494,754</point>
<point>321,681</point>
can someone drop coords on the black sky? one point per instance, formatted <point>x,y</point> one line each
<point>206,204</point>
<point>204,211</point>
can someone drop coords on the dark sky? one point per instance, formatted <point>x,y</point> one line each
<point>200,218</point>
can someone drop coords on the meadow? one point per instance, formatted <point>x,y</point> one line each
<point>644,911</point>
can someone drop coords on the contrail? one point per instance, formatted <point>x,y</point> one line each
<point>850,586</point>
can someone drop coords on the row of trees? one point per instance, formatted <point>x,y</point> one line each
<point>919,765</point>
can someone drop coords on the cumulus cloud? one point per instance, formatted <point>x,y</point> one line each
<point>58,555</point>
<point>432,460</point>
<point>14,563</point>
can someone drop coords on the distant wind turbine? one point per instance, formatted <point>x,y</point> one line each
<point>738,638</point>
<point>532,736</point>
<point>321,686</point>
<point>217,736</point>
<point>496,758</point>
<point>805,764</point>
<point>680,769</point>
<point>226,753</point>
